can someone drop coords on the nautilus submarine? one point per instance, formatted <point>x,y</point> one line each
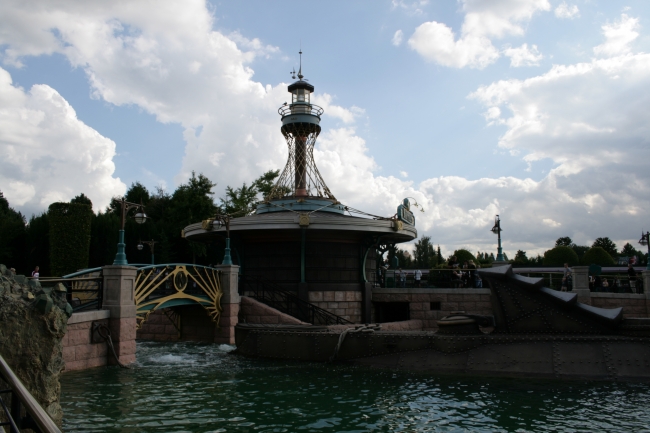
<point>534,332</point>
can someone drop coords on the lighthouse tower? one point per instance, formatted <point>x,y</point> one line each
<point>300,178</point>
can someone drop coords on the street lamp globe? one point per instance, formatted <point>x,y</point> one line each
<point>140,217</point>
<point>140,246</point>
<point>644,239</point>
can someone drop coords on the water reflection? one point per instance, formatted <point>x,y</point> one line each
<point>192,387</point>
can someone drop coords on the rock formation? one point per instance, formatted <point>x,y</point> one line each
<point>33,321</point>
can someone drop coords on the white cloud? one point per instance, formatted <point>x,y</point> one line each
<point>566,11</point>
<point>523,56</point>
<point>47,153</point>
<point>483,21</point>
<point>404,174</point>
<point>397,38</point>
<point>618,36</point>
<point>170,62</point>
<point>412,8</point>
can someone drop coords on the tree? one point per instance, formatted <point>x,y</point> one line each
<point>264,183</point>
<point>520,258</point>
<point>12,235</point>
<point>70,225</point>
<point>82,199</point>
<point>558,256</point>
<point>239,201</point>
<point>598,256</point>
<point>462,255</point>
<point>580,250</point>
<point>564,242</point>
<point>628,250</point>
<point>425,256</point>
<point>438,256</point>
<point>607,245</point>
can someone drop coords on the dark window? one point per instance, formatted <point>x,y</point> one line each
<point>434,305</point>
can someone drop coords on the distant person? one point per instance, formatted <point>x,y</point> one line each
<point>605,283</point>
<point>402,278</point>
<point>36,273</point>
<point>473,275</point>
<point>631,273</point>
<point>566,269</point>
<point>418,277</point>
<point>452,263</point>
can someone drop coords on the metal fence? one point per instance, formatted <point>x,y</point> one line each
<point>19,408</point>
<point>272,295</point>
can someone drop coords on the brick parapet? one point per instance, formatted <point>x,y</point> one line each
<point>346,304</point>
<point>253,311</point>
<point>79,352</point>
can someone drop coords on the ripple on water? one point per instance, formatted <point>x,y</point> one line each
<point>194,387</point>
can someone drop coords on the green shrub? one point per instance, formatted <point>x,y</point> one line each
<point>558,256</point>
<point>464,256</point>
<point>598,256</point>
<point>69,237</point>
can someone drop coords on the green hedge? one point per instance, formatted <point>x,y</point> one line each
<point>558,256</point>
<point>69,237</point>
<point>598,256</point>
<point>463,256</point>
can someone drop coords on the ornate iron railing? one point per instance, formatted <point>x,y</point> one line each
<point>84,289</point>
<point>288,110</point>
<point>271,294</point>
<point>163,286</point>
<point>20,410</point>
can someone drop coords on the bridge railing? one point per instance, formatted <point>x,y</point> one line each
<point>20,410</point>
<point>84,290</point>
<point>274,296</point>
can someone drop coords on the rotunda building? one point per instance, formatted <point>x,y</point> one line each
<point>301,239</point>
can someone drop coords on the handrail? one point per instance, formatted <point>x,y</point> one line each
<point>41,420</point>
<point>312,109</point>
<point>289,303</point>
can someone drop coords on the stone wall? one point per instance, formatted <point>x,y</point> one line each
<point>633,305</point>
<point>346,304</point>
<point>430,305</point>
<point>253,311</point>
<point>158,327</point>
<point>79,350</point>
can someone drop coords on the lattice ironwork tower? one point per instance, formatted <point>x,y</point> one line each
<point>300,178</point>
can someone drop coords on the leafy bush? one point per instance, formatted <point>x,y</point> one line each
<point>598,256</point>
<point>558,256</point>
<point>69,237</point>
<point>463,255</point>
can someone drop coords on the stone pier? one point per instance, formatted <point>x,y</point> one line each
<point>119,286</point>
<point>230,302</point>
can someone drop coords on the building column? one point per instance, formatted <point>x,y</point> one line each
<point>366,307</point>
<point>230,301</point>
<point>119,286</point>
<point>580,277</point>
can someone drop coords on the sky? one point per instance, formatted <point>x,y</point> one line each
<point>535,110</point>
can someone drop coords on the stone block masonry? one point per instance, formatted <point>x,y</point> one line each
<point>430,305</point>
<point>346,304</point>
<point>158,327</point>
<point>79,351</point>
<point>253,311</point>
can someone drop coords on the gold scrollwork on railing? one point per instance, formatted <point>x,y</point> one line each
<point>155,287</point>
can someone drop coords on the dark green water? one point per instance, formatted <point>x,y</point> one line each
<point>191,387</point>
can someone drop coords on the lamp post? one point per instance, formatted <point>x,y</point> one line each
<point>224,220</point>
<point>140,217</point>
<point>645,240</point>
<point>151,244</point>
<point>497,231</point>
